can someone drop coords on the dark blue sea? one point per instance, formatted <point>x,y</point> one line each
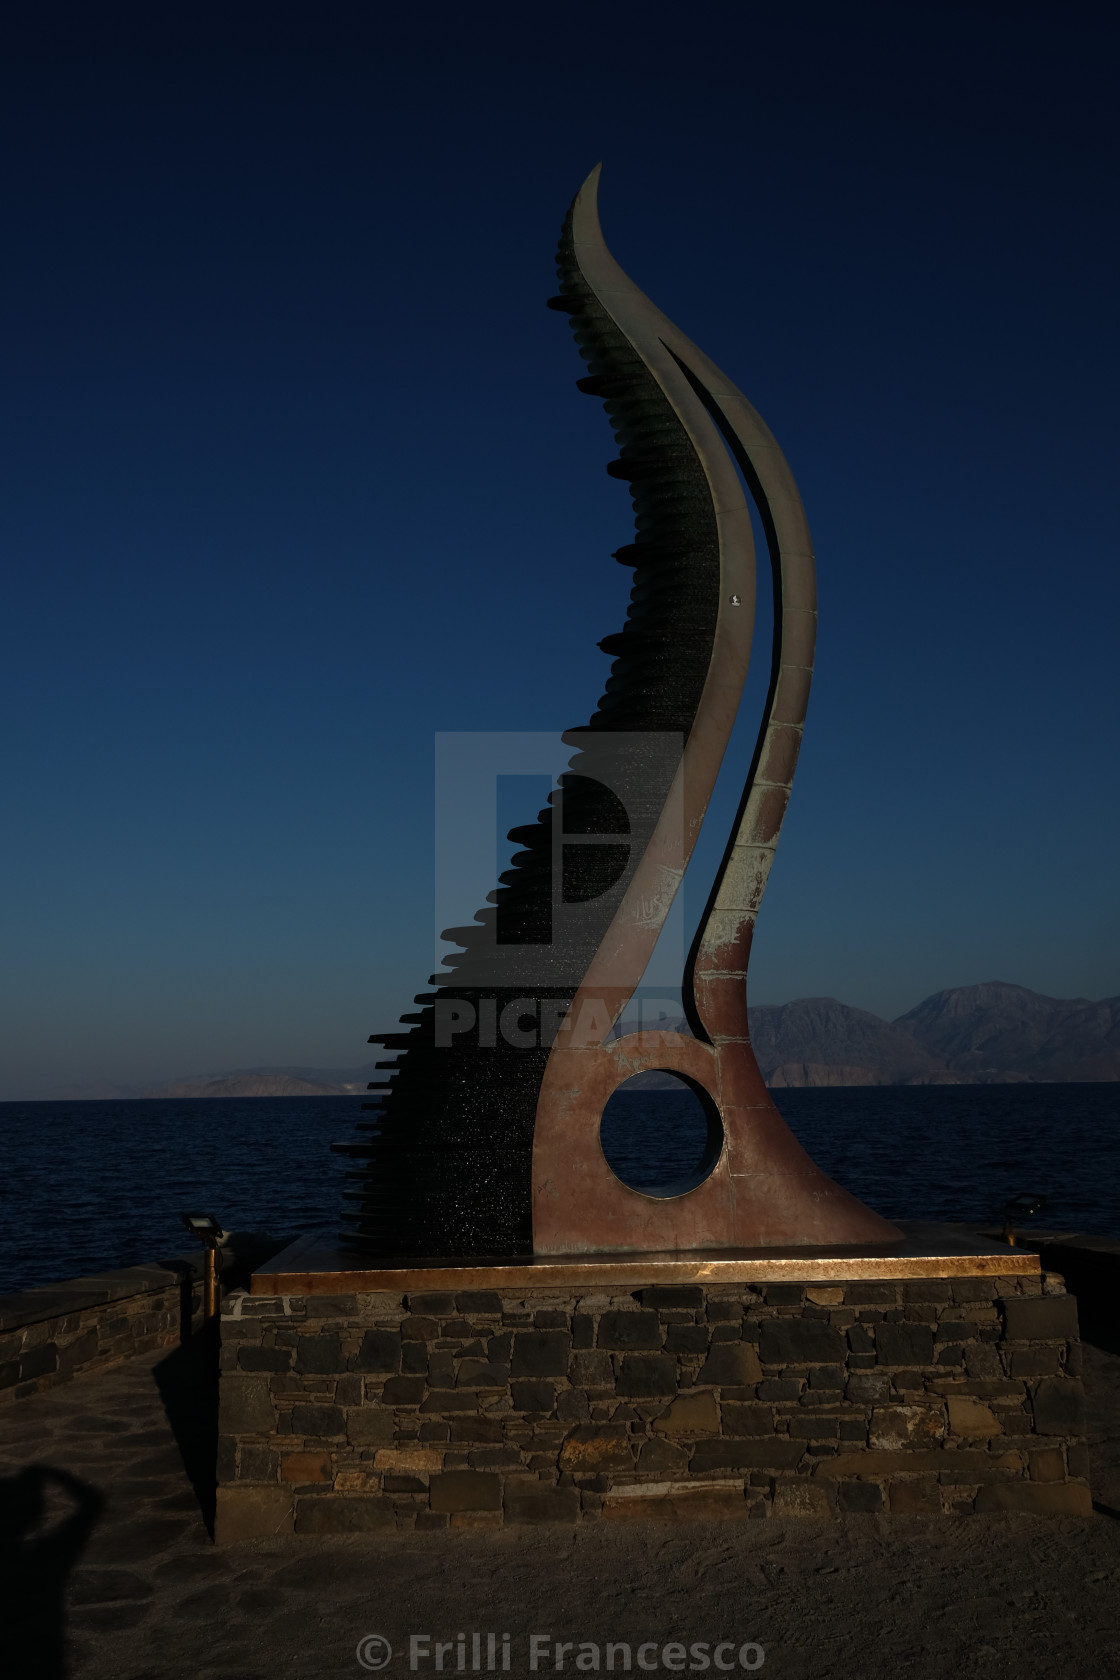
<point>92,1185</point>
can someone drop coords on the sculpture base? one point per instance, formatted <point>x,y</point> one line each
<point>667,1387</point>
<point>308,1267</point>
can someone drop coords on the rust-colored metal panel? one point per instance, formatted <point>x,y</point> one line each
<point>763,1191</point>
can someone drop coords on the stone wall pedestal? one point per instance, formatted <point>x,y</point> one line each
<point>472,1407</point>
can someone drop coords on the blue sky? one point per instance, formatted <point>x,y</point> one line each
<point>297,476</point>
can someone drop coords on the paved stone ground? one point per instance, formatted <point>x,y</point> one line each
<point>107,1570</point>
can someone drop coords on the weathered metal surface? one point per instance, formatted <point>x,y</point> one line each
<point>764,1189</point>
<point>488,1139</point>
<point>922,1251</point>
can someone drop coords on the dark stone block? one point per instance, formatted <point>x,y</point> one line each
<point>38,1362</point>
<point>479,1373</point>
<point>540,1353</point>
<point>226,1461</point>
<point>583,1331</point>
<point>686,1338</point>
<point>471,1429</point>
<point>904,1344</point>
<point>798,1341</point>
<point>630,1330</point>
<point>77,1352</point>
<point>352,1514</point>
<point>494,1458</point>
<point>772,1452</point>
<point>319,1355</point>
<point>441,1368</point>
<point>808,1428</point>
<point>859,1496</point>
<point>9,1373</point>
<point>414,1357</point>
<point>419,1329</point>
<point>974,1289</point>
<point>592,1369</point>
<point>466,1490</point>
<point>853,1429</point>
<point>1040,1318</point>
<point>533,1396</point>
<point>531,1502</point>
<point>484,1302</point>
<point>667,1297</point>
<point>740,1420</point>
<point>330,1306</point>
<point>246,1406</point>
<point>258,1464</point>
<point>456,1329</point>
<point>1036,1362</point>
<point>499,1349</point>
<point>730,1363</point>
<point>917,1495</point>
<point>404,1391</point>
<point>872,1294</point>
<point>826,1376</point>
<point>1059,1406</point>
<point>661,1455</point>
<point>647,1374</point>
<point>318,1420</point>
<point>436,1305</point>
<point>784,1294</point>
<point>720,1312</point>
<point>380,1351</point>
<point>550,1320</point>
<point>956,1330</point>
<point>572,1406</point>
<point>264,1359</point>
<point>925,1289</point>
<point>780,1388</point>
<point>448,1399</point>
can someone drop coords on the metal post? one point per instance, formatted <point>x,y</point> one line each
<point>210,1283</point>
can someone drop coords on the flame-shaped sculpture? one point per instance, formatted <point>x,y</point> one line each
<point>488,1141</point>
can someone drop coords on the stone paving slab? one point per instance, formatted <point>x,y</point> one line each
<point>107,1540</point>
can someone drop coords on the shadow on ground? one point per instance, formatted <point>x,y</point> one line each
<point>39,1547</point>
<point>189,1391</point>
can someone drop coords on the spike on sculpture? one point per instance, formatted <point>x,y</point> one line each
<point>487,1145</point>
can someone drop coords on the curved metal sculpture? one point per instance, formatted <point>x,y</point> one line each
<point>485,1142</point>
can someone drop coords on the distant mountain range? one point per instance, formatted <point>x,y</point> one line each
<point>242,1082</point>
<point>989,1034</point>
<point>971,1035</point>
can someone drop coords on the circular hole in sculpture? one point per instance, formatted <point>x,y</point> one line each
<point>661,1134</point>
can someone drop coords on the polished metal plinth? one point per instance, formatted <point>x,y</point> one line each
<point>308,1267</point>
